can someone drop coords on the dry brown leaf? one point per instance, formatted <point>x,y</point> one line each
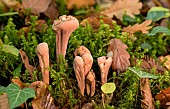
<point>36,6</point>
<point>148,63</point>
<point>163,96</point>
<point>147,102</point>
<point>79,3</point>
<point>162,3</point>
<point>120,57</point>
<point>4,104</point>
<point>41,25</point>
<point>43,99</point>
<point>143,27</point>
<point>18,82</point>
<point>166,61</point>
<point>25,60</point>
<point>120,7</point>
<point>52,11</point>
<point>95,23</point>
<point>11,4</point>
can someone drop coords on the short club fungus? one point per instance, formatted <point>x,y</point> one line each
<point>43,55</point>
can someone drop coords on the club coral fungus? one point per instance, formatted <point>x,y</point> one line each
<point>104,63</point>
<point>82,65</point>
<point>64,28</point>
<point>43,55</point>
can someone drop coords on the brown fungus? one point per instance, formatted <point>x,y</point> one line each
<point>104,63</point>
<point>63,28</point>
<point>43,55</point>
<point>82,66</point>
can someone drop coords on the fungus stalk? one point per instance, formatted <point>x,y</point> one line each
<point>64,28</point>
<point>43,55</point>
<point>90,83</point>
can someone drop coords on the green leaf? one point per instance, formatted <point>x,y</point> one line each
<point>8,14</point>
<point>10,49</point>
<point>17,96</point>
<point>146,46</point>
<point>159,29</point>
<point>17,71</point>
<point>108,87</point>
<point>157,13</point>
<point>129,19</point>
<point>143,74</point>
<point>80,12</point>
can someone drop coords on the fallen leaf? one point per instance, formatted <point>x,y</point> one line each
<point>36,6</point>
<point>147,102</point>
<point>52,12</point>
<point>166,61</point>
<point>108,88</point>
<point>17,96</point>
<point>10,49</point>
<point>12,4</point>
<point>18,82</point>
<point>41,25</point>
<point>43,99</point>
<point>120,55</point>
<point>164,3</point>
<point>120,7</point>
<point>4,104</point>
<point>21,85</point>
<point>157,13</point>
<point>143,74</point>
<point>25,60</point>
<point>148,63</point>
<point>163,96</point>
<point>95,23</point>
<point>78,3</point>
<point>143,27</point>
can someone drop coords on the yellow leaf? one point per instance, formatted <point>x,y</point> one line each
<point>143,27</point>
<point>120,7</point>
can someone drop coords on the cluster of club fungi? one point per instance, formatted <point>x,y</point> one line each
<point>83,60</point>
